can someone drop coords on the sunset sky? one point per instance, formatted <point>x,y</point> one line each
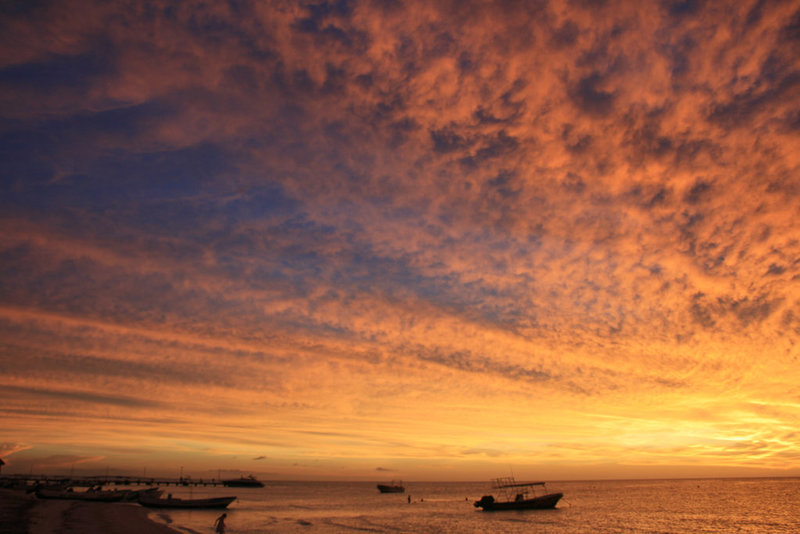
<point>430,240</point>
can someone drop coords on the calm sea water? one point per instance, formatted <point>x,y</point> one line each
<point>640,506</point>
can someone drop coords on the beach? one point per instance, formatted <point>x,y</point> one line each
<point>22,513</point>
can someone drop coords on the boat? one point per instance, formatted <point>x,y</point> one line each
<point>395,486</point>
<point>518,496</point>
<point>174,502</point>
<point>243,482</point>
<point>135,495</point>
<point>92,494</point>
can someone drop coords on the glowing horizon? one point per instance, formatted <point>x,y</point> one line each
<point>420,240</point>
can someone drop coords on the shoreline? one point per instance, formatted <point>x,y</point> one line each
<point>22,513</point>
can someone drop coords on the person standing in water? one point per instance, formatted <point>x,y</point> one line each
<point>219,524</point>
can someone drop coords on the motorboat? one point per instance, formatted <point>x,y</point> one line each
<point>515,495</point>
<point>243,482</point>
<point>395,486</point>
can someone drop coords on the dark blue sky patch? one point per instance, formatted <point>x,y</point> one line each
<point>293,83</point>
<point>45,160</point>
<point>497,145</point>
<point>678,50</point>
<point>565,35</point>
<point>792,121</point>
<point>164,174</point>
<point>792,30</point>
<point>504,184</point>
<point>466,62</point>
<point>484,116</point>
<point>778,81</point>
<point>324,9</point>
<point>25,161</point>
<point>401,130</point>
<point>447,140</point>
<point>243,77</point>
<point>117,178</point>
<point>259,202</point>
<point>219,29</point>
<point>386,110</point>
<point>17,8</point>
<point>123,123</point>
<point>320,23</point>
<point>590,98</point>
<point>199,208</point>
<point>755,14</point>
<point>681,8</point>
<point>775,270</point>
<point>443,45</point>
<point>699,192</point>
<point>336,80</point>
<point>60,71</point>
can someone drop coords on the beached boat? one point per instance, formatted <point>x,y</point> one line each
<point>135,495</point>
<point>396,486</point>
<point>518,496</point>
<point>243,482</point>
<point>92,494</point>
<point>173,502</point>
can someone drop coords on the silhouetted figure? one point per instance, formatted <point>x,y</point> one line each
<point>219,524</point>
<point>409,499</point>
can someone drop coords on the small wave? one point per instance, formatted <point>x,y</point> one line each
<point>355,527</point>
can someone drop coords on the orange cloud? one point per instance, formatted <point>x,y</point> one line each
<point>297,232</point>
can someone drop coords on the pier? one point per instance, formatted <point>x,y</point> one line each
<point>88,481</point>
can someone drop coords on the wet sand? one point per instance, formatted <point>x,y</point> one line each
<point>21,513</point>
<point>14,506</point>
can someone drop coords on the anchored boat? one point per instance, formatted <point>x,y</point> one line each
<point>243,482</point>
<point>396,486</point>
<point>515,495</point>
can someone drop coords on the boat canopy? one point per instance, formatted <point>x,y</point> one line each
<point>509,482</point>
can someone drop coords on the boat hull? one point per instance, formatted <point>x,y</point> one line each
<point>391,489</point>
<point>216,502</point>
<point>542,502</point>
<point>244,482</point>
<point>96,496</point>
<point>135,495</point>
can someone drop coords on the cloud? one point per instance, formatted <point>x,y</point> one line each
<point>385,210</point>
<point>8,448</point>
<point>79,396</point>
<point>64,460</point>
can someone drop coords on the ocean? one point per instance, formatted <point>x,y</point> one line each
<point>633,506</point>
